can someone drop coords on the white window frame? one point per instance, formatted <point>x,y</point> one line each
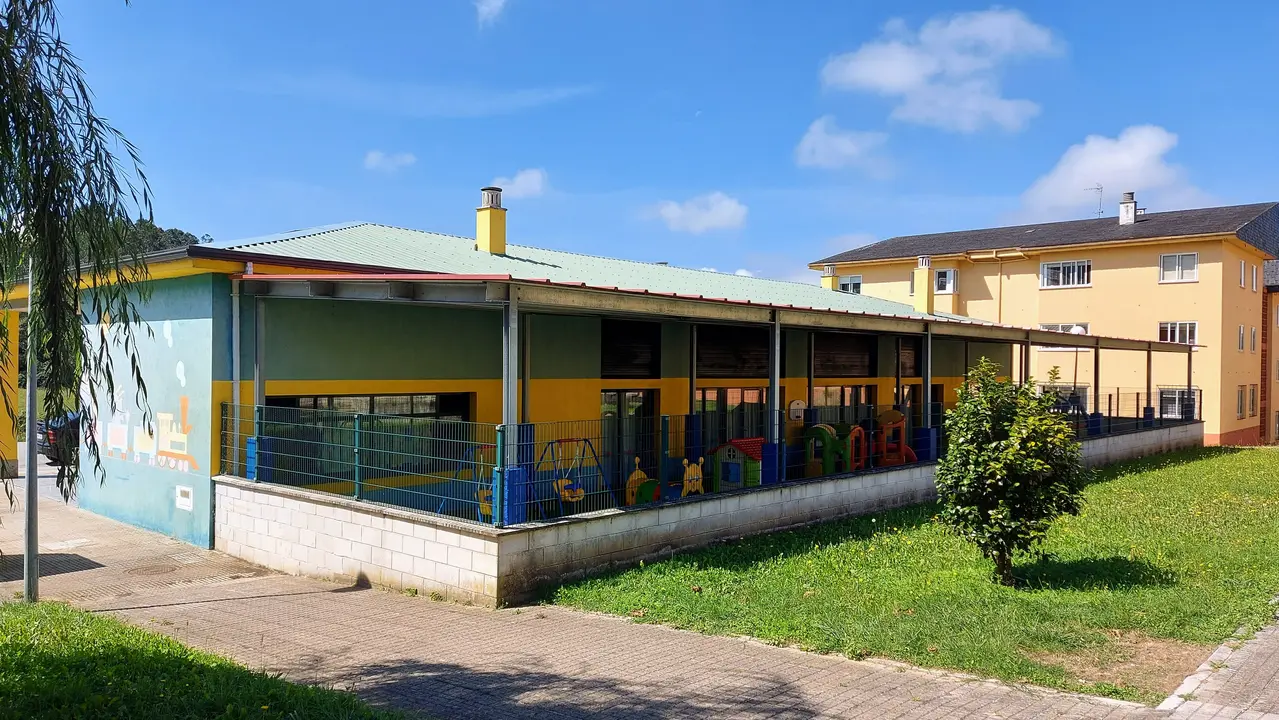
<point>1254,278</point>
<point>1240,405</point>
<point>1177,330</point>
<point>850,281</point>
<point>1243,273</point>
<point>1063,327</point>
<point>1180,396</point>
<point>1241,338</point>
<point>1182,275</point>
<point>1253,341</point>
<point>1080,268</point>
<point>952,279</point>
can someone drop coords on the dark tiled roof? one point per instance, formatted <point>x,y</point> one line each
<point>1256,224</point>
<point>1270,271</point>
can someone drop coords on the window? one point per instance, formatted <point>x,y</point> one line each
<point>1243,268</point>
<point>1254,278</point>
<point>945,282</point>
<point>1277,423</point>
<point>1183,267</point>
<point>1173,402</point>
<point>1178,332</point>
<point>912,282</point>
<point>1252,401</point>
<point>1240,402</point>
<point>1254,340</point>
<point>1241,338</point>
<point>1064,327</point>
<point>444,406</point>
<point>851,284</point>
<point>1069,273</point>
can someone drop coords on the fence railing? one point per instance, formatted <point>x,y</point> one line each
<point>501,475</point>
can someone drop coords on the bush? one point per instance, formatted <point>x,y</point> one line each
<point>1012,467</point>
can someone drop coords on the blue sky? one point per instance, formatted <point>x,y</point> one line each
<point>707,133</point>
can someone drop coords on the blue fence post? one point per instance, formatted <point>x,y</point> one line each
<point>499,478</point>
<point>256,476</point>
<point>359,489</point>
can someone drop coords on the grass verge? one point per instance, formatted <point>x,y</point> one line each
<point>58,662</point>
<point>1170,556</point>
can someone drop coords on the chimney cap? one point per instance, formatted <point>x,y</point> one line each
<point>1130,196</point>
<point>490,197</point>
<point>491,187</point>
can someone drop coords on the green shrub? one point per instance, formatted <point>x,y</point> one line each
<point>1013,466</point>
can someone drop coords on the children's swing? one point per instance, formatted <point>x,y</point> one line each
<point>478,462</point>
<point>568,467</point>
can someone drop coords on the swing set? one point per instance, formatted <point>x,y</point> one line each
<point>567,458</point>
<point>478,462</point>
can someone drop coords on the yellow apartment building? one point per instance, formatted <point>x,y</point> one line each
<point>1193,276</point>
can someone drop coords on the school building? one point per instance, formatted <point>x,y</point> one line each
<point>1186,276</point>
<point>477,417</point>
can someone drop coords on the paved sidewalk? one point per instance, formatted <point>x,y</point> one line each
<point>449,661</point>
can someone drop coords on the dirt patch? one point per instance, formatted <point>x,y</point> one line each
<point>1132,659</point>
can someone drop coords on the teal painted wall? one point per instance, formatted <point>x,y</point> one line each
<point>340,339</point>
<point>143,470</point>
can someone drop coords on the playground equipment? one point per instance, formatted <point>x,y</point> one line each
<point>693,478</point>
<point>737,463</point>
<point>891,446</point>
<point>640,488</point>
<point>844,451</point>
<point>568,467</point>
<point>478,461</point>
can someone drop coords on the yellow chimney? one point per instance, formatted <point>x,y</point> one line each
<point>923,282</point>
<point>490,222</point>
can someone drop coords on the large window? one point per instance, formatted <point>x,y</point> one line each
<point>1243,272</point>
<point>1239,402</point>
<point>851,284</point>
<point>1241,338</point>
<point>1173,402</point>
<point>946,281</point>
<point>1254,278</point>
<point>1065,328</point>
<point>630,349</point>
<point>1180,267</point>
<point>1252,401</point>
<point>443,406</point>
<point>1253,341</point>
<point>1069,273</point>
<point>1179,332</point>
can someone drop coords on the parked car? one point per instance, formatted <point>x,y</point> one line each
<point>59,439</point>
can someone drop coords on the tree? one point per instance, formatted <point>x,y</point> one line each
<point>1011,468</point>
<point>69,184</point>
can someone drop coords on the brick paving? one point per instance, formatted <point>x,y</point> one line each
<point>451,661</point>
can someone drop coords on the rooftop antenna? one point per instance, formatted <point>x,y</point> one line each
<point>1101,208</point>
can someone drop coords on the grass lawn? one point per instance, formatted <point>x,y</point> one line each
<point>1171,555</point>
<point>58,662</point>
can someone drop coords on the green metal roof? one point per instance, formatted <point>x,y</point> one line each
<point>383,246</point>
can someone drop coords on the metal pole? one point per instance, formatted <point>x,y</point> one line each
<point>775,381</point>
<point>1190,382</point>
<point>928,376</point>
<point>897,373</point>
<point>1150,375</point>
<point>692,370</point>
<point>31,546</point>
<point>511,373</point>
<point>1096,376</point>
<point>812,353</point>
<point>259,353</point>
<point>234,466</point>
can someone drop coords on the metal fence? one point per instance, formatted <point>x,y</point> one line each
<point>561,469</point>
<point>439,466</point>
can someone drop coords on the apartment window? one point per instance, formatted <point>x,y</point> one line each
<point>1172,401</point>
<point>851,284</point>
<point>1179,267</point>
<point>945,282</point>
<point>1241,338</point>
<point>1252,401</point>
<point>1243,269</point>
<point>1068,273</point>
<point>1254,278</point>
<point>1253,342</point>
<point>1239,397</point>
<point>1178,332</point>
<point>1064,328</point>
<point>912,282</point>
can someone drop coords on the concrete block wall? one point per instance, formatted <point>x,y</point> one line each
<point>1129,446</point>
<point>547,553</point>
<point>308,533</point>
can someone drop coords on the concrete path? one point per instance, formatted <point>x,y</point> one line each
<point>449,661</point>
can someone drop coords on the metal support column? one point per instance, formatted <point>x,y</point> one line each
<point>31,532</point>
<point>812,353</point>
<point>775,381</point>
<point>692,370</point>
<point>259,353</point>
<point>1190,384</point>
<point>511,373</point>
<point>526,366</point>
<point>897,372</point>
<point>1150,374</point>
<point>234,464</point>
<point>968,358</point>
<point>1096,377</point>
<point>928,377</point>
<point>1025,360</point>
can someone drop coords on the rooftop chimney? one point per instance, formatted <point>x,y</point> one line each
<point>490,222</point>
<point>830,280</point>
<point>924,287</point>
<point>1128,209</point>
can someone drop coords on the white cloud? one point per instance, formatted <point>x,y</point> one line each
<point>1135,160</point>
<point>947,74</point>
<point>527,183</point>
<point>713,211</point>
<point>743,272</point>
<point>387,162</point>
<point>825,145</point>
<point>488,10</point>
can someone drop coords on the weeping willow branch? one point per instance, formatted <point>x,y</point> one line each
<point>69,184</point>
